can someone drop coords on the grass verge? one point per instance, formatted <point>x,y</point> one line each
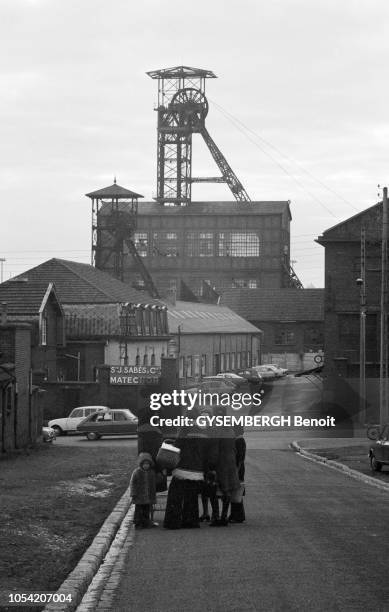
<point>53,501</point>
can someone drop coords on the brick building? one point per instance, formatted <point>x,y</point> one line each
<point>342,244</point>
<point>36,302</point>
<point>292,322</point>
<point>20,408</point>
<point>226,244</point>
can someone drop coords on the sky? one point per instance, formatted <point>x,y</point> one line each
<point>299,110</point>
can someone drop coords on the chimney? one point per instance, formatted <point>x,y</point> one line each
<point>3,313</point>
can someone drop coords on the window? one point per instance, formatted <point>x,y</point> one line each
<point>181,368</point>
<point>189,366</point>
<point>203,365</point>
<point>165,244</point>
<point>137,360</point>
<point>76,413</point>
<point>199,244</point>
<point>313,337</point>
<point>284,336</point>
<point>232,365</point>
<point>119,416</point>
<point>245,282</point>
<point>141,242</point>
<point>146,321</point>
<point>152,360</point>
<point>145,359</point>
<point>238,244</point>
<point>44,330</point>
<point>139,321</point>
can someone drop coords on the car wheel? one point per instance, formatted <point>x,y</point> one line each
<point>375,465</point>
<point>91,435</point>
<point>58,430</point>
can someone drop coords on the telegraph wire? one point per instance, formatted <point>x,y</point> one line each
<point>239,125</point>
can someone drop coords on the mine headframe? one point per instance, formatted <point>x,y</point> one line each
<point>114,220</point>
<point>182,109</point>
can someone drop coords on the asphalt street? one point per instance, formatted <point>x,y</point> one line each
<point>314,540</point>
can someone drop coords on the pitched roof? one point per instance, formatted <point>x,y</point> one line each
<point>181,72</point>
<point>209,208</point>
<point>350,229</point>
<point>113,191</point>
<point>25,297</point>
<point>276,304</point>
<point>75,283</point>
<point>198,318</point>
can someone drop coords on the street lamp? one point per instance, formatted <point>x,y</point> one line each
<point>362,349</point>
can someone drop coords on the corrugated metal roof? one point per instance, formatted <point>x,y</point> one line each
<point>276,304</point>
<point>198,318</point>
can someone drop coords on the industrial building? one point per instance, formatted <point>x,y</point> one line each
<point>195,249</point>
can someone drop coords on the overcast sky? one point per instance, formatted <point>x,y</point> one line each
<point>299,109</point>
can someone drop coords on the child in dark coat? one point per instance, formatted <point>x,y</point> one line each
<point>143,491</point>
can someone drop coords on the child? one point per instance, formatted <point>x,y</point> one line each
<point>143,491</point>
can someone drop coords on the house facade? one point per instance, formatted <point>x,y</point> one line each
<point>348,257</point>
<point>292,322</point>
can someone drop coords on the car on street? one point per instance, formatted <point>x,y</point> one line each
<point>379,450</point>
<point>115,422</point>
<point>213,385</point>
<point>231,376</point>
<point>69,423</point>
<point>280,372</point>
<point>251,376</point>
<point>266,372</point>
<point>48,434</point>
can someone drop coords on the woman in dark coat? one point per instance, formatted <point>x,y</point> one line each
<point>237,513</point>
<point>182,507</point>
<point>222,459</point>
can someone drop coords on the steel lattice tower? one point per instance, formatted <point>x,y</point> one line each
<point>182,109</point>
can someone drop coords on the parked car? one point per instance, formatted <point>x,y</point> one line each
<point>251,375</point>
<point>266,372</point>
<point>69,423</point>
<point>277,369</point>
<point>213,385</point>
<point>48,434</point>
<point>379,450</point>
<point>230,376</point>
<point>109,423</point>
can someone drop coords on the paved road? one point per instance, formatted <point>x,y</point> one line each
<point>314,540</point>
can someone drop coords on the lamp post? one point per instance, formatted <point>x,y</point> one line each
<point>361,283</point>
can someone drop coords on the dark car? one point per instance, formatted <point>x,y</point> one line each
<point>109,423</point>
<point>251,375</point>
<point>379,450</point>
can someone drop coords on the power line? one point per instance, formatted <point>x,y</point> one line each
<point>287,158</point>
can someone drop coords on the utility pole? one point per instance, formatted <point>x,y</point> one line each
<point>362,342</point>
<point>384,416</point>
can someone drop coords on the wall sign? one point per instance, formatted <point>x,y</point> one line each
<point>134,375</point>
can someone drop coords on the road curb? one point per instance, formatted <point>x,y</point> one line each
<point>335,465</point>
<point>79,579</point>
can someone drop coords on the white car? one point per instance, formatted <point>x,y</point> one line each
<point>235,378</point>
<point>69,423</point>
<point>266,372</point>
<point>277,369</point>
